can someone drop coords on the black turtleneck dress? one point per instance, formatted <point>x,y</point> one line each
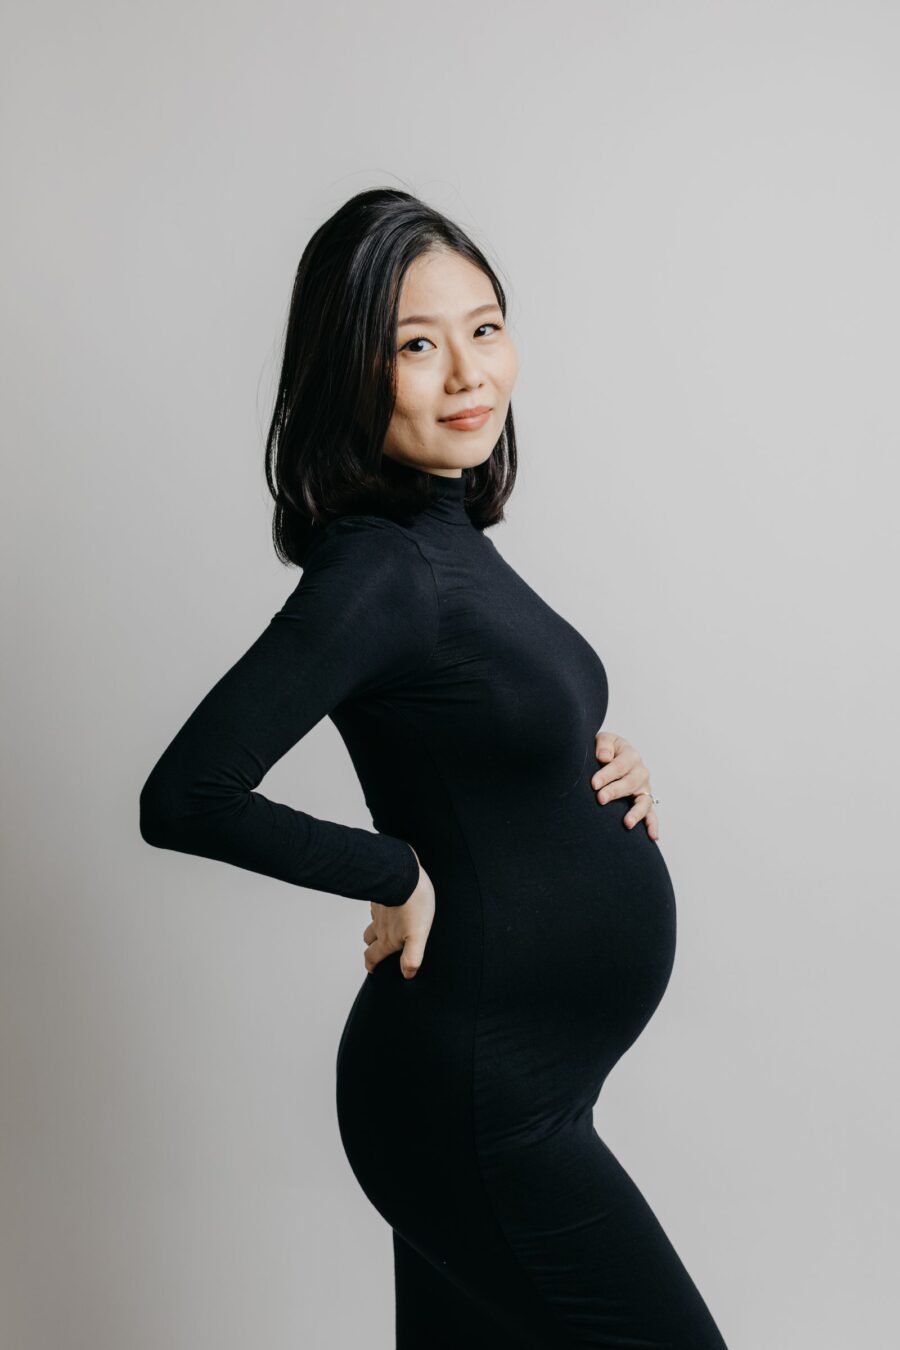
<point>464,1095</point>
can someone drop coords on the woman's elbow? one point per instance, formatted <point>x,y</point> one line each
<point>161,811</point>
<point>187,810</point>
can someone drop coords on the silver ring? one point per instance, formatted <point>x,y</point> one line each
<point>644,793</point>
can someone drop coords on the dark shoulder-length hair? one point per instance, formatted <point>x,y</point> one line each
<point>338,377</point>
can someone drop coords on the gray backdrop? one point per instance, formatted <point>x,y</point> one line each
<point>695,209</point>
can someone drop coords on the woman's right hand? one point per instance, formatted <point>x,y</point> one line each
<point>401,928</point>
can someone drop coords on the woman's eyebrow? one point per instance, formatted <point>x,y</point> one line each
<point>436,318</point>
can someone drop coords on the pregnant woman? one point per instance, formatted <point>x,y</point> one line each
<point>521,935</point>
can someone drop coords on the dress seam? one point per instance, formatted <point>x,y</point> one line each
<point>437,598</point>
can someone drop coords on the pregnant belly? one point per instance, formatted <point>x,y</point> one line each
<point>578,953</point>
<point>543,966</point>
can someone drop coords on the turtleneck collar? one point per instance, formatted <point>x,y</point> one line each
<point>448,498</point>
<point>445,485</point>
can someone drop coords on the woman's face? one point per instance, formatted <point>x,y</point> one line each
<point>453,353</point>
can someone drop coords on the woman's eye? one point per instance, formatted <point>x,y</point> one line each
<point>408,345</point>
<point>418,339</point>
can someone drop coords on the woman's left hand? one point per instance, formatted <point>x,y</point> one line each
<point>623,774</point>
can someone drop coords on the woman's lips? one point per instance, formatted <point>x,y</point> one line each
<point>469,423</point>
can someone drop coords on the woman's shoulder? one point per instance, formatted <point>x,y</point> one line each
<point>368,557</point>
<point>362,537</point>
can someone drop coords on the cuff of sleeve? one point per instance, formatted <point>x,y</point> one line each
<point>407,878</point>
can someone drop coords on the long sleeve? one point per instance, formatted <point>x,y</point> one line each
<point>362,616</point>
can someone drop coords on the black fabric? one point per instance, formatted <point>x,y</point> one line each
<point>464,1095</point>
